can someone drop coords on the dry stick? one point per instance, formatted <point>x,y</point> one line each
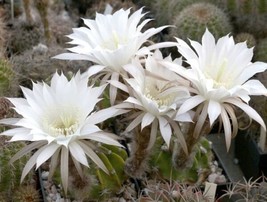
<point>42,6</point>
<point>27,10</point>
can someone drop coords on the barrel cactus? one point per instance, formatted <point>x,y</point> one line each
<point>192,21</point>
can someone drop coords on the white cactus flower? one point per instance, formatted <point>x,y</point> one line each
<point>111,41</point>
<point>220,73</point>
<point>156,94</point>
<point>59,120</point>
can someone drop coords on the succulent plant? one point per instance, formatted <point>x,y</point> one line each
<point>10,173</point>
<point>165,10</point>
<point>3,36</point>
<point>247,16</point>
<point>114,159</point>
<point>247,37</point>
<point>8,79</point>
<point>201,157</point>
<point>249,190</point>
<point>172,191</point>
<point>26,193</point>
<point>24,36</point>
<point>193,20</point>
<point>261,50</point>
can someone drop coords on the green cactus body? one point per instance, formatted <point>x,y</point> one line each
<point>10,174</point>
<point>165,10</point>
<point>114,160</point>
<point>261,50</point>
<point>7,77</point>
<point>247,15</point>
<point>194,19</point>
<point>162,159</point>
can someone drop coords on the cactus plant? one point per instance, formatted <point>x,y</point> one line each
<point>248,15</point>
<point>201,157</point>
<point>10,174</point>
<point>114,159</point>
<point>7,79</point>
<point>192,21</point>
<point>3,36</point>
<point>172,191</point>
<point>261,50</point>
<point>249,38</point>
<point>26,193</point>
<point>24,36</point>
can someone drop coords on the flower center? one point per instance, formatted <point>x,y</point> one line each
<point>61,122</point>
<point>114,41</point>
<point>156,91</point>
<point>218,77</point>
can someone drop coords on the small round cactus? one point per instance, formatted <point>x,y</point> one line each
<point>26,193</point>
<point>24,36</point>
<point>249,38</point>
<point>192,21</point>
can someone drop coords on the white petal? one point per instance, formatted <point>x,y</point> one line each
<point>104,114</point>
<point>27,149</point>
<point>103,137</point>
<point>135,122</point>
<point>255,87</point>
<point>247,109</point>
<point>153,134</point>
<point>227,128</point>
<point>165,130</point>
<point>31,162</point>
<point>77,152</point>
<point>147,120</point>
<point>89,152</point>
<point>190,104</point>
<point>47,152</point>
<point>214,110</point>
<point>64,168</point>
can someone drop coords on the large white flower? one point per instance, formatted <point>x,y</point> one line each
<point>111,41</point>
<point>220,74</point>
<point>156,93</point>
<point>60,120</point>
